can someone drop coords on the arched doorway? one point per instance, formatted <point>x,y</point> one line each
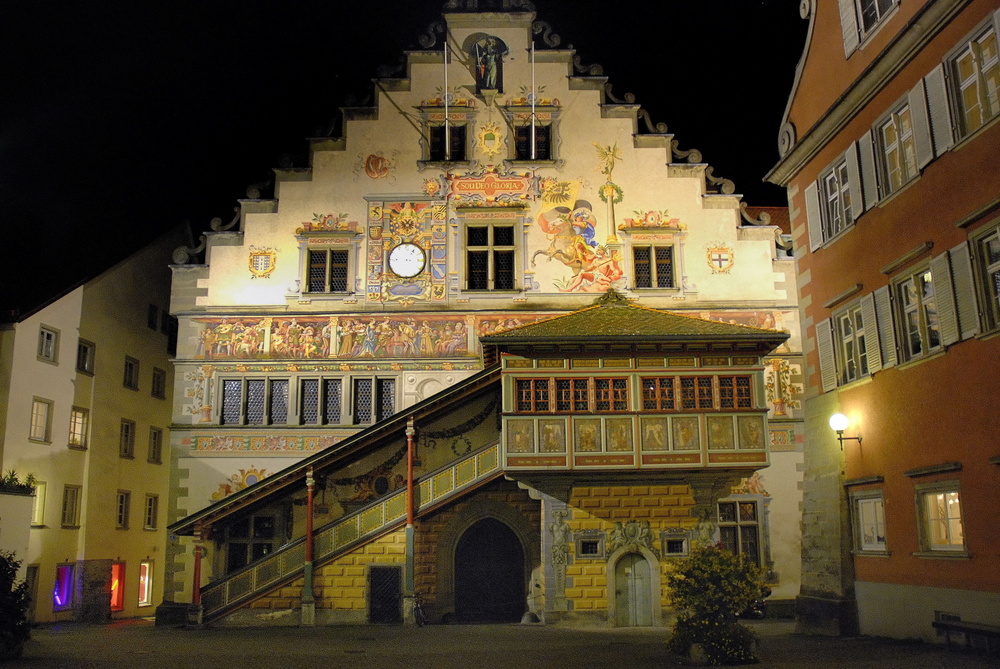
<point>489,574</point>
<point>633,607</point>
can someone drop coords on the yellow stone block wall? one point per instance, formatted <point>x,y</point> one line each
<point>599,508</point>
<point>428,530</point>
<point>340,585</point>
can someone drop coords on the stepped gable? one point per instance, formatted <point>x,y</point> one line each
<point>612,317</point>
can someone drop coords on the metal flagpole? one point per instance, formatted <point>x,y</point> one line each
<point>447,125</point>
<point>532,99</point>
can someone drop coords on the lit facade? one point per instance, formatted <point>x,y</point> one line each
<point>889,155</point>
<point>86,410</point>
<point>489,187</point>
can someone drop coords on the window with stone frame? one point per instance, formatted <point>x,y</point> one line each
<point>79,427</point>
<point>490,256</point>
<point>373,399</point>
<point>653,266</point>
<point>154,453</point>
<point>158,389</point>
<point>852,344</point>
<point>988,246</point>
<point>447,142</point>
<point>740,528</point>
<point>41,420</point>
<point>85,354</point>
<point>897,152</point>
<point>860,18</point>
<point>525,150</point>
<point>321,401</point>
<point>254,401</point>
<point>123,503</point>
<point>975,78</point>
<point>868,516</point>
<point>151,512</point>
<point>917,314</point>
<point>48,344</point>
<point>126,439</point>
<point>328,270</point>
<point>939,509</point>
<point>71,505</point>
<point>130,376</point>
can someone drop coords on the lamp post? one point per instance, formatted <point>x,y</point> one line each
<point>839,423</point>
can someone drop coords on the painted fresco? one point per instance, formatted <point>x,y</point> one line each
<point>419,223</point>
<point>350,337</point>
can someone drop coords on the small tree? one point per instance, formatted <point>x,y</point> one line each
<point>14,601</point>
<point>710,589</point>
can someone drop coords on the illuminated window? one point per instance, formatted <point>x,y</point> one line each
<point>917,311</point>
<point>853,344</point>
<point>976,79</point>
<point>145,583</point>
<point>41,420</point>
<point>38,508</point>
<point>117,586</point>
<point>79,422</point>
<point>898,150</point>
<point>533,395</point>
<point>658,393</point>
<point>989,262</point>
<point>62,593</point>
<point>941,517</point>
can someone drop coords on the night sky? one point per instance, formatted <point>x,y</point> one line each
<point>122,119</point>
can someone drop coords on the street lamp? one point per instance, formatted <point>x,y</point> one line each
<point>838,423</point>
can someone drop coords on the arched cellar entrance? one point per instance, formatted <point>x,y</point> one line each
<point>489,574</point>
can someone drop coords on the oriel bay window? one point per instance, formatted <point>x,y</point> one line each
<point>696,393</point>
<point>605,395</point>
<point>254,402</point>
<point>490,256</point>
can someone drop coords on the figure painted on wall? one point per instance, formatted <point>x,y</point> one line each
<point>488,53</point>
<point>571,241</point>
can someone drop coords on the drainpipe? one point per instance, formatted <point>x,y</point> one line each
<point>408,585</point>
<point>308,598</point>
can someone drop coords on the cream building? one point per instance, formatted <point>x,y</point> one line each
<point>490,185</point>
<point>84,390</point>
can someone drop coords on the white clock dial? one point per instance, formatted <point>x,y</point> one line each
<point>407,260</point>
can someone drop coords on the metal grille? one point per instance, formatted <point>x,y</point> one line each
<point>564,395</point>
<point>387,398</point>
<point>256,391</point>
<point>232,391</point>
<point>642,267</point>
<point>279,401</point>
<point>664,267</point>
<point>503,235</point>
<point>478,268</point>
<point>503,270</point>
<point>317,271</point>
<point>338,271</point>
<point>658,393</point>
<point>333,397</point>
<point>310,401</point>
<point>727,394</point>
<point>363,400</point>
<point>704,392</point>
<point>477,236</point>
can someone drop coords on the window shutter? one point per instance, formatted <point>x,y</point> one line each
<point>886,327</point>
<point>921,125</point>
<point>849,26</point>
<point>813,221</point>
<point>996,23</point>
<point>944,296</point>
<point>965,290</point>
<point>866,152</point>
<point>827,359</point>
<point>871,333</point>
<point>854,181</point>
<point>940,113</point>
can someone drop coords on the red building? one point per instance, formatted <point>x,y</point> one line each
<point>890,155</point>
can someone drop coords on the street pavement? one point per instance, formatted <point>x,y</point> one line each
<point>139,644</point>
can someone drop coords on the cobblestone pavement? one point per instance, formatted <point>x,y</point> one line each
<point>129,644</point>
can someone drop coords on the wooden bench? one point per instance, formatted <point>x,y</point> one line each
<point>990,633</point>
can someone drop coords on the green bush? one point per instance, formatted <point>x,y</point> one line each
<point>710,589</point>
<point>14,601</point>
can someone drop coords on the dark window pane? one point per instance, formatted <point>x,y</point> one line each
<point>338,271</point>
<point>477,236</point>
<point>503,236</point>
<point>255,401</point>
<point>478,268</point>
<point>332,414</point>
<point>643,269</point>
<point>310,401</point>
<point>503,270</point>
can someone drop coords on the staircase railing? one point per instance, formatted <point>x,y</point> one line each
<point>339,536</point>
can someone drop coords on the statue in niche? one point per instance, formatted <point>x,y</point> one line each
<point>487,53</point>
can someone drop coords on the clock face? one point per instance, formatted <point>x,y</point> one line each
<point>407,260</point>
